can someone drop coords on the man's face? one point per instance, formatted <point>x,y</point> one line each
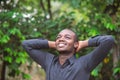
<point>65,41</point>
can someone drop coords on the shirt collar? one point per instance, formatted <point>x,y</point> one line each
<point>71,59</point>
<point>55,58</point>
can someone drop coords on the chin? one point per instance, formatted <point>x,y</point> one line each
<point>63,51</point>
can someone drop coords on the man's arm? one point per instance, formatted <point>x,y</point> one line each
<point>33,48</point>
<point>103,45</point>
<point>82,44</point>
<point>51,44</point>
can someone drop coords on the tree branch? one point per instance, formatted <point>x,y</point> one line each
<point>49,9</point>
<point>112,8</point>
<point>42,6</point>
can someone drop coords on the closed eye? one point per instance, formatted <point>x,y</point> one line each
<point>68,37</point>
<point>58,37</point>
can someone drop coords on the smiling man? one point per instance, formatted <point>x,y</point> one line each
<point>66,66</point>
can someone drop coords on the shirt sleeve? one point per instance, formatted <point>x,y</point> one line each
<point>103,45</point>
<point>33,48</point>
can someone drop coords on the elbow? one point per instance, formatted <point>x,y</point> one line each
<point>24,43</point>
<point>111,40</point>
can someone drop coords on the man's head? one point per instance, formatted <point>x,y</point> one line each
<point>66,41</point>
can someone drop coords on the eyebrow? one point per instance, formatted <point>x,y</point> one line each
<point>68,35</point>
<point>65,34</point>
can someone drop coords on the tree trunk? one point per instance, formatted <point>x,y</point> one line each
<point>116,55</point>
<point>116,52</point>
<point>49,9</point>
<point>42,6</point>
<point>3,70</point>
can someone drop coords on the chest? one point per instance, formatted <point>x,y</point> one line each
<point>67,71</point>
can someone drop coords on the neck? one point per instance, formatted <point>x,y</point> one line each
<point>64,56</point>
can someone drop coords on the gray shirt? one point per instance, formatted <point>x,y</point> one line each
<point>74,68</point>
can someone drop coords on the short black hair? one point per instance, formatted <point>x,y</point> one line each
<point>76,36</point>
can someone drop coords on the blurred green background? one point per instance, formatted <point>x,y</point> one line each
<point>26,19</point>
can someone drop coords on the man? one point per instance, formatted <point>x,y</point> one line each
<point>66,66</point>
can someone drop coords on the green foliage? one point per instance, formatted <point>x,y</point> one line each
<point>26,76</point>
<point>96,71</point>
<point>10,42</point>
<point>116,70</point>
<point>27,19</point>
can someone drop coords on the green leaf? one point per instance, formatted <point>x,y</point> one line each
<point>8,59</point>
<point>98,16</point>
<point>116,71</point>
<point>20,60</point>
<point>95,73</point>
<point>53,24</point>
<point>8,50</point>
<point>1,33</point>
<point>6,24</point>
<point>26,76</point>
<point>110,26</point>
<point>4,39</point>
<point>14,31</point>
<point>93,31</point>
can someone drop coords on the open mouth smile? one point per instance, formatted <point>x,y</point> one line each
<point>62,45</point>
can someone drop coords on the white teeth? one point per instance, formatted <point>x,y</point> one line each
<point>60,45</point>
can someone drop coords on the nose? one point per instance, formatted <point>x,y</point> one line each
<point>61,39</point>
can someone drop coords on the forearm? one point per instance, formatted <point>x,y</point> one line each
<point>35,44</point>
<point>51,44</point>
<point>84,43</point>
<point>107,41</point>
<point>101,40</point>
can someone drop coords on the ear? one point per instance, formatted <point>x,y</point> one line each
<point>76,44</point>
